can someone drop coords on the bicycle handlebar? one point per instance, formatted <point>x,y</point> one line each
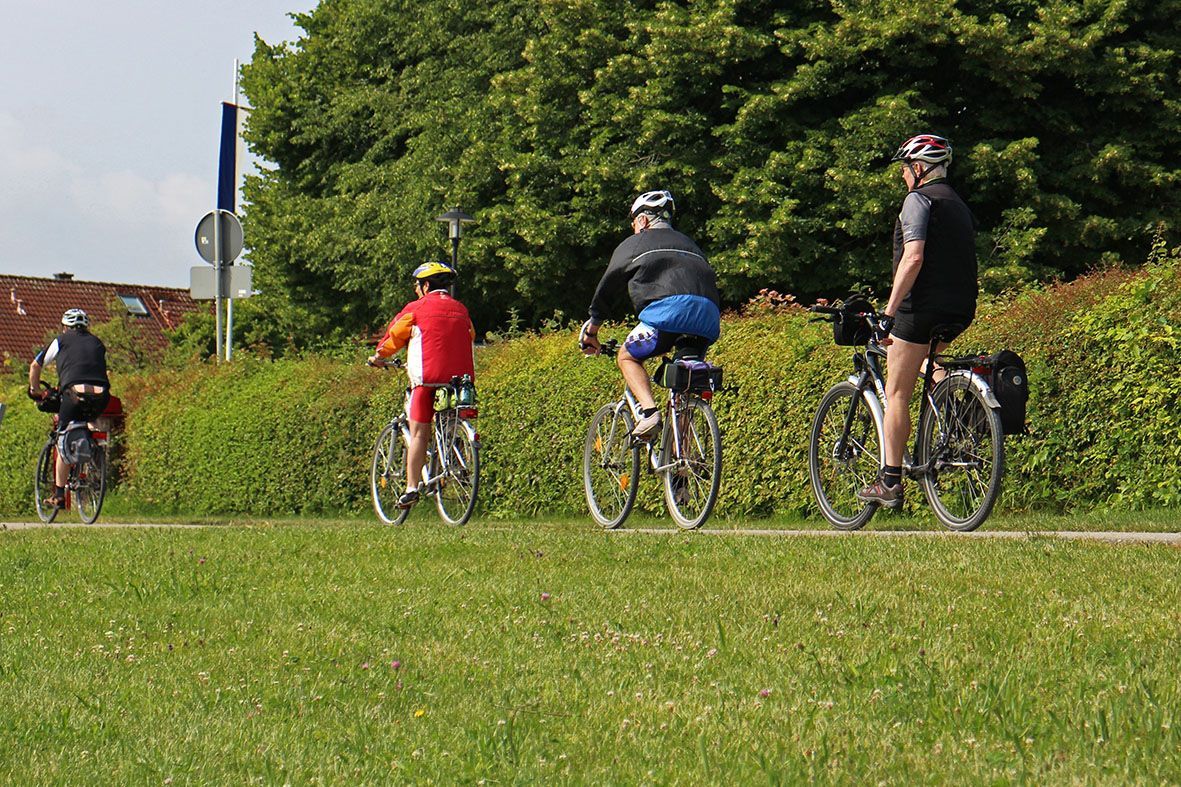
<point>383,365</point>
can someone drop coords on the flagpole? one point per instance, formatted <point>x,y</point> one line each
<point>233,208</point>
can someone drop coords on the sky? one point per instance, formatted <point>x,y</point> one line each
<point>109,122</point>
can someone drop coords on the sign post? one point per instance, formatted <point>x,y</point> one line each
<point>219,242</point>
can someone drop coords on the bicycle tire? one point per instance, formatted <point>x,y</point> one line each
<point>460,474</point>
<point>90,485</point>
<point>836,480</point>
<point>961,499</point>
<point>703,470</point>
<point>611,466</point>
<point>43,482</point>
<point>387,473</point>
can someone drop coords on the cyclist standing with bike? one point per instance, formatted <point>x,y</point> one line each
<point>934,285</point>
<point>673,290</point>
<point>438,334</point>
<point>81,360</point>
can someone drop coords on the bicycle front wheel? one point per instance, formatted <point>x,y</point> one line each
<point>91,485</point>
<point>694,447</point>
<point>961,443</point>
<point>459,480</point>
<point>844,456</point>
<point>611,466</point>
<point>43,482</point>
<point>387,473</point>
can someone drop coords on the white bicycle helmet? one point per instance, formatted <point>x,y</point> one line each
<point>658,203</point>
<point>925,147</point>
<point>75,318</point>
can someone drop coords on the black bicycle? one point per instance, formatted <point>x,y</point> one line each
<point>959,450</point>
<point>86,486</point>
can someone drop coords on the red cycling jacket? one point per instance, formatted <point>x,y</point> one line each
<point>438,335</point>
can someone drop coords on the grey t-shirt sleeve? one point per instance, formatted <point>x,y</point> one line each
<point>916,212</point>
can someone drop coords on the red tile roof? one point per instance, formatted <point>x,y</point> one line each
<point>31,310</point>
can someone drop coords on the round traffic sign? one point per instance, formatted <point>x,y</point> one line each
<point>230,231</point>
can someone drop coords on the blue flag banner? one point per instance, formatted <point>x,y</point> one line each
<point>228,161</point>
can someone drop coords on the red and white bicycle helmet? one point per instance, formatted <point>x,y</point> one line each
<point>658,203</point>
<point>925,147</point>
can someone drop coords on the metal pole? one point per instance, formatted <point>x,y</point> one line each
<point>230,325</point>
<point>217,275</point>
<point>455,253</point>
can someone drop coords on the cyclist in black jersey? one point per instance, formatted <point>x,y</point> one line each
<point>81,360</point>
<point>672,288</point>
<point>934,284</point>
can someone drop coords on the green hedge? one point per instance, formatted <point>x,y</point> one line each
<point>282,437</point>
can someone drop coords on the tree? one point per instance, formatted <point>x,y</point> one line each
<point>771,122</point>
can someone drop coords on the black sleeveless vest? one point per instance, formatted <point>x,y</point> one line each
<point>946,283</point>
<point>81,358</point>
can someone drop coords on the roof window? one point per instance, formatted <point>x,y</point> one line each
<point>135,305</point>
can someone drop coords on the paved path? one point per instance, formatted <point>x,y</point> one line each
<point>75,524</point>
<point>1069,535</point>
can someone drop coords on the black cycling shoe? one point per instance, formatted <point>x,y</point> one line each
<point>408,499</point>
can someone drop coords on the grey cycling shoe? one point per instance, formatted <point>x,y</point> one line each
<point>408,499</point>
<point>878,492</point>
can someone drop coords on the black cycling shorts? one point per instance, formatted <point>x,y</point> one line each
<point>82,407</point>
<point>917,327</point>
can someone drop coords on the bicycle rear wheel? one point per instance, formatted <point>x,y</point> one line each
<point>90,485</point>
<point>43,482</point>
<point>387,473</point>
<point>611,466</point>
<point>459,482</point>
<point>841,463</point>
<point>961,441</point>
<point>691,487</point>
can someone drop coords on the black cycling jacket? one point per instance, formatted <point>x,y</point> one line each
<point>654,264</point>
<point>81,357</point>
<point>946,283</point>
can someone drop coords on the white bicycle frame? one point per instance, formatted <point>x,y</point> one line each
<point>656,455</point>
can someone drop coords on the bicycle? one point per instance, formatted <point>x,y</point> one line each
<point>452,470</point>
<point>86,486</point>
<point>959,451</point>
<point>687,455</point>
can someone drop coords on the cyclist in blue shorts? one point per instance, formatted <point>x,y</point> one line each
<point>672,288</point>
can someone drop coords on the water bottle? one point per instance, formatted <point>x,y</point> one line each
<point>467,392</point>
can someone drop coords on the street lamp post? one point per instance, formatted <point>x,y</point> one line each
<point>455,219</point>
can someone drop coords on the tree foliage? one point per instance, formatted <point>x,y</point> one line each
<point>771,122</point>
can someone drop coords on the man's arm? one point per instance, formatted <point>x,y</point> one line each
<point>42,359</point>
<point>908,271</point>
<point>397,335</point>
<point>614,278</point>
<point>915,216</point>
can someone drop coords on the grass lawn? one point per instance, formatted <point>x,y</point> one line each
<point>348,652</point>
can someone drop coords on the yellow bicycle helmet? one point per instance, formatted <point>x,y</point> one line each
<point>429,269</point>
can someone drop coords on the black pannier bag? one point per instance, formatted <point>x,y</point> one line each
<point>689,375</point>
<point>1011,386</point>
<point>849,329</point>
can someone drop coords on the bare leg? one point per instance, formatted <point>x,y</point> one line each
<point>636,377</point>
<point>904,363</point>
<point>61,471</point>
<point>420,437</point>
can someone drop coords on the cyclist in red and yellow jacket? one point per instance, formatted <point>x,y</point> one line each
<point>437,334</point>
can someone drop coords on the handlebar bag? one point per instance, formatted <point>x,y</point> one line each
<point>849,329</point>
